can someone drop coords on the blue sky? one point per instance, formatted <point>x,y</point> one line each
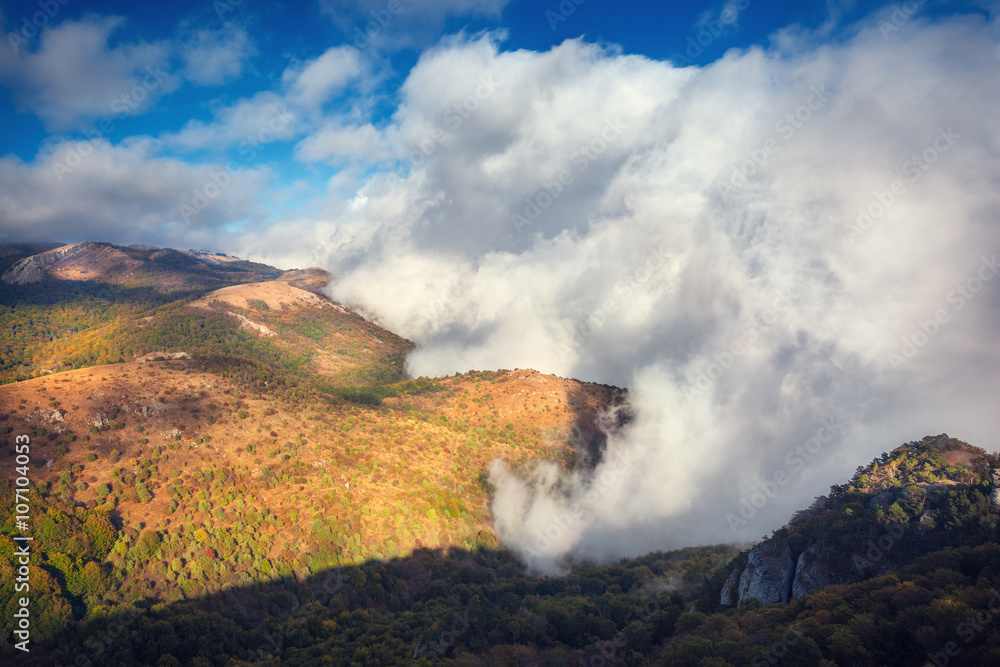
<point>759,216</point>
<point>281,33</point>
<point>213,58</point>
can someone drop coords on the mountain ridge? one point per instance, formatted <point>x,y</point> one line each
<point>239,469</point>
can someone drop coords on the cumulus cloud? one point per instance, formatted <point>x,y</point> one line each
<point>313,83</point>
<point>245,124</point>
<point>92,190</point>
<point>74,76</point>
<point>216,57</point>
<point>776,253</point>
<point>335,140</point>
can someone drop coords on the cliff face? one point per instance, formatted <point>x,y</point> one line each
<point>138,264</point>
<point>79,261</point>
<point>879,521</point>
<point>812,572</point>
<point>768,574</point>
<point>32,269</point>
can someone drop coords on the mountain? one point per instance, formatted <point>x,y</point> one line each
<point>902,506</point>
<point>133,266</point>
<point>228,468</point>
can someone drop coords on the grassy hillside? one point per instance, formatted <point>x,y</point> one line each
<point>87,318</point>
<point>210,483</point>
<point>274,490</point>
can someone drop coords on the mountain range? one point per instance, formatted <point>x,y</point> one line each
<point>227,467</point>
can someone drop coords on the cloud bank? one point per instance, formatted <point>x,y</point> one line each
<point>788,256</point>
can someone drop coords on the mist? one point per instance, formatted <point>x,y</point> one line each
<point>787,256</point>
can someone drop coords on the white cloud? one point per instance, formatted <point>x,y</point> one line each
<point>741,320</point>
<point>126,194</point>
<point>245,124</point>
<point>335,141</point>
<point>216,57</point>
<point>313,83</point>
<point>565,211</point>
<point>73,76</point>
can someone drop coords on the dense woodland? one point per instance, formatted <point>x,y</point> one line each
<point>478,606</point>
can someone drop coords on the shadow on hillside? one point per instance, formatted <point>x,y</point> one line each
<point>589,433</point>
<point>398,611</point>
<point>161,281</point>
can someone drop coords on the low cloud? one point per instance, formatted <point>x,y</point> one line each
<point>788,256</point>
<point>702,255</point>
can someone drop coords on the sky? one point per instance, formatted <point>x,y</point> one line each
<point>775,223</point>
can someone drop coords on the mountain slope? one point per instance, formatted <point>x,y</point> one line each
<point>923,496</point>
<point>69,307</point>
<point>236,470</point>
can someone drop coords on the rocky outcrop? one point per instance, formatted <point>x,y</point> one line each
<point>248,325</point>
<point>80,261</point>
<point>812,572</point>
<point>769,573</point>
<point>730,590</point>
<point>919,473</point>
<point>995,490</point>
<point>32,269</point>
<point>162,356</point>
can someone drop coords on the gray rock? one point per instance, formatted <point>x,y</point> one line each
<point>32,269</point>
<point>812,573</point>
<point>928,520</point>
<point>768,574</point>
<point>995,491</point>
<point>730,592</point>
<point>884,499</point>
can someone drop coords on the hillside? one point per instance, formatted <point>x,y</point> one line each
<point>249,431</point>
<point>76,306</point>
<point>237,470</point>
